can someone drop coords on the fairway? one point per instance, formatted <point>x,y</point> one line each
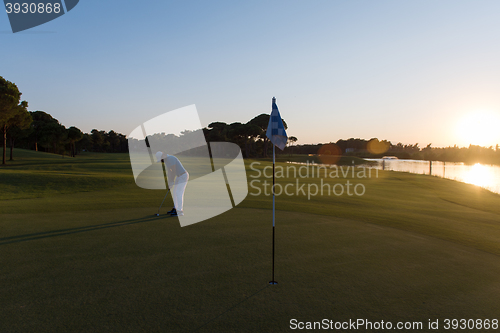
<point>81,250</point>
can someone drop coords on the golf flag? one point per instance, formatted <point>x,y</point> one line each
<point>276,133</point>
<point>276,130</point>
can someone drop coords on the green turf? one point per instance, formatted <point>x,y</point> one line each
<point>80,250</point>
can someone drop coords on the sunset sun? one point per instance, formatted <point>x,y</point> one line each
<point>479,128</point>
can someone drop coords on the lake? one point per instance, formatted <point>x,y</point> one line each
<point>486,176</point>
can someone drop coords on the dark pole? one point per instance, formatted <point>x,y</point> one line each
<point>273,281</point>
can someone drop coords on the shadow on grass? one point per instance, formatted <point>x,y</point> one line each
<point>62,232</point>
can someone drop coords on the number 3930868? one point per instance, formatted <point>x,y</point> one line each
<point>470,324</point>
<point>32,8</point>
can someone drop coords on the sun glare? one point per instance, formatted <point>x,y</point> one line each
<point>478,175</point>
<point>479,128</point>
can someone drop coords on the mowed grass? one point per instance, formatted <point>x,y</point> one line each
<point>35,175</point>
<point>87,253</point>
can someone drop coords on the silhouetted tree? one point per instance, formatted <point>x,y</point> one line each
<point>9,102</point>
<point>74,134</point>
<point>85,143</point>
<point>41,120</point>
<point>251,133</point>
<point>292,141</point>
<point>17,124</point>
<point>262,121</point>
<point>97,139</point>
<point>53,134</point>
<point>113,140</point>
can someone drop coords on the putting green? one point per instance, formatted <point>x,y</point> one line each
<point>126,270</point>
<point>77,258</point>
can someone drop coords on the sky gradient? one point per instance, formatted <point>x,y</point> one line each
<point>405,71</point>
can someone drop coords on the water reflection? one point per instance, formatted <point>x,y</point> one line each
<point>478,175</point>
<point>486,176</point>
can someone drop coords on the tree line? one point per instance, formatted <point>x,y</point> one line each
<point>42,132</point>
<point>375,148</point>
<point>250,136</point>
<point>38,130</point>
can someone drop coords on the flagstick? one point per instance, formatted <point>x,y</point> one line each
<point>274,162</point>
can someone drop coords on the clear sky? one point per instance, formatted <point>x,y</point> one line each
<point>405,71</point>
